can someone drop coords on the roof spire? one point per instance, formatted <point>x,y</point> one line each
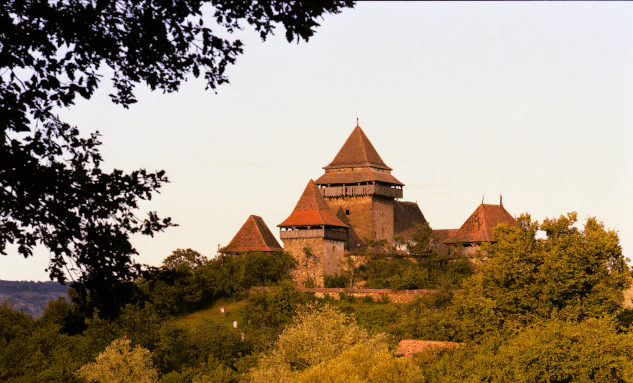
<point>500,199</point>
<point>357,152</point>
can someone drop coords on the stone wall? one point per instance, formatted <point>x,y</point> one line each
<point>332,256</point>
<point>328,255</point>
<point>383,218</point>
<point>360,213</point>
<point>369,216</point>
<point>395,296</point>
<point>295,247</point>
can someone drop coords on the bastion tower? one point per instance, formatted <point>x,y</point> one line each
<point>314,237</point>
<point>359,188</point>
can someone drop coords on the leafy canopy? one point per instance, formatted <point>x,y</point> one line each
<point>318,334</point>
<point>120,363</point>
<point>572,274</point>
<point>52,189</point>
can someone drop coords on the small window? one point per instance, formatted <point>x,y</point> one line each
<point>333,248</point>
<point>347,212</point>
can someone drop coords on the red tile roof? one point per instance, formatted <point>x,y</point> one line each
<point>405,216</point>
<point>408,347</point>
<point>356,177</point>
<point>478,227</point>
<point>312,210</point>
<point>443,234</point>
<point>357,152</point>
<point>254,235</point>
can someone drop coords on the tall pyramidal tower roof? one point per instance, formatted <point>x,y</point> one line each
<point>312,210</point>
<point>254,235</point>
<point>357,162</point>
<point>357,152</point>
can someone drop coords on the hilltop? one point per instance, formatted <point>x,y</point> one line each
<point>31,297</point>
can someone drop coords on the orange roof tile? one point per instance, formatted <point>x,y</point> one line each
<point>355,177</point>
<point>254,235</point>
<point>478,227</point>
<point>357,152</point>
<point>442,235</point>
<point>312,210</point>
<point>408,347</point>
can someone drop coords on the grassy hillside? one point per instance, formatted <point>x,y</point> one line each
<point>231,313</point>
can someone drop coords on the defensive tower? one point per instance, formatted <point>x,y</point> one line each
<point>314,236</point>
<point>359,187</point>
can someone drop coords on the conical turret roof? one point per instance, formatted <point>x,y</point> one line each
<point>254,235</point>
<point>357,152</point>
<point>312,210</point>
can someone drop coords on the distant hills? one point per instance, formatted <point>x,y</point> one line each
<point>31,297</point>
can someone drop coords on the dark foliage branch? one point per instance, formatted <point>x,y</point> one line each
<point>52,190</point>
<point>55,193</point>
<point>52,50</point>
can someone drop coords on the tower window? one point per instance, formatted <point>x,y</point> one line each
<point>333,248</point>
<point>347,212</point>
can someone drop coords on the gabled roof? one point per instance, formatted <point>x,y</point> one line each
<point>442,235</point>
<point>312,210</point>
<point>356,177</point>
<point>405,216</point>
<point>254,235</point>
<point>478,227</point>
<point>357,152</point>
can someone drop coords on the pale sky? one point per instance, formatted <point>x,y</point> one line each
<point>529,100</point>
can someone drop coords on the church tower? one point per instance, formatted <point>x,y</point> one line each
<point>359,188</point>
<point>314,237</point>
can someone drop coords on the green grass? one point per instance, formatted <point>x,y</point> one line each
<point>231,313</point>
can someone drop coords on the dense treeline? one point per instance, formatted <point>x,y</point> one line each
<point>530,309</point>
<point>421,266</point>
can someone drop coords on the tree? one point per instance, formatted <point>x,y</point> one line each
<point>52,189</point>
<point>572,274</point>
<point>310,256</point>
<point>120,363</point>
<point>363,364</point>
<point>188,259</point>
<point>551,351</point>
<point>318,334</point>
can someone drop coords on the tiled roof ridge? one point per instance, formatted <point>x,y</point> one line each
<point>483,218</point>
<point>252,236</point>
<point>362,146</point>
<point>348,155</point>
<point>487,215</point>
<point>259,229</point>
<point>312,203</point>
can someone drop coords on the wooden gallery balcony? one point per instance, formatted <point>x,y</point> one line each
<point>358,190</point>
<point>337,235</point>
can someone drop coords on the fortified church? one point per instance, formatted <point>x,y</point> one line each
<point>357,197</point>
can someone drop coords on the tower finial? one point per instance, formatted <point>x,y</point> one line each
<point>500,199</point>
<point>482,199</point>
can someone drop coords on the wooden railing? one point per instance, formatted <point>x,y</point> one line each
<point>358,190</point>
<point>314,233</point>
